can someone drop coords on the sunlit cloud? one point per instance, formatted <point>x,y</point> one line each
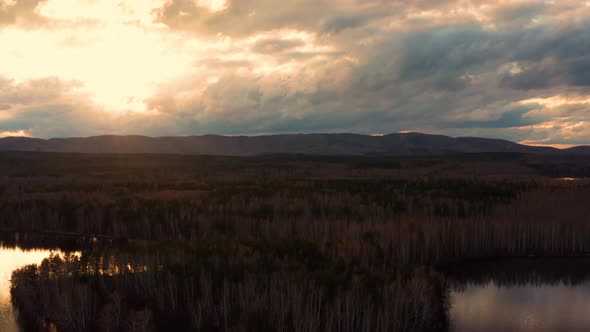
<point>557,101</point>
<point>18,133</point>
<point>213,5</point>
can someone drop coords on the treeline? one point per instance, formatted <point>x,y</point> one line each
<point>274,243</point>
<point>162,210</point>
<point>215,286</point>
<point>315,274</point>
<point>514,272</point>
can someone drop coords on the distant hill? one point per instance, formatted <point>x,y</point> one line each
<point>331,144</point>
<point>585,150</point>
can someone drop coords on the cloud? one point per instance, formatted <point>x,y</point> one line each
<point>428,79</point>
<point>220,63</point>
<point>20,12</point>
<point>247,17</point>
<point>519,13</point>
<point>340,22</point>
<point>33,91</point>
<point>511,69</point>
<point>552,57</point>
<point>510,119</point>
<point>46,106</point>
<point>275,45</point>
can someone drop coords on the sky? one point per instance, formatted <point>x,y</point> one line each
<point>518,70</point>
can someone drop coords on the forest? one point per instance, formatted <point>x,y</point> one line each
<point>277,242</point>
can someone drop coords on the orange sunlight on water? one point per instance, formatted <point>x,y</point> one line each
<point>11,259</point>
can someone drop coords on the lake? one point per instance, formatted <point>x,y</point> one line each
<point>521,295</point>
<point>514,295</point>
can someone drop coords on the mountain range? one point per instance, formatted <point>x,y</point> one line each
<point>331,144</point>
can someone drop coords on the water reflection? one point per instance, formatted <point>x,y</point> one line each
<point>522,308</point>
<point>521,295</point>
<point>515,295</point>
<point>11,259</point>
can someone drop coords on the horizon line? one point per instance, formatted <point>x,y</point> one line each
<point>558,146</point>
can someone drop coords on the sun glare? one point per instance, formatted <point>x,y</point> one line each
<point>100,12</point>
<point>213,5</point>
<point>12,259</point>
<point>119,63</point>
<point>120,57</point>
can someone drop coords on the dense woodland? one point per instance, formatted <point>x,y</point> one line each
<point>278,242</point>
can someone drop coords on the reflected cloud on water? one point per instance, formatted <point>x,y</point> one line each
<point>521,295</point>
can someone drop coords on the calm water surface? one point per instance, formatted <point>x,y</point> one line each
<point>11,259</point>
<point>550,298</point>
<point>511,296</point>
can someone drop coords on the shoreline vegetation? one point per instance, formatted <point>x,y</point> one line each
<point>277,243</point>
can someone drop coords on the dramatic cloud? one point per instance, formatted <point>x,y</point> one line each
<point>518,70</point>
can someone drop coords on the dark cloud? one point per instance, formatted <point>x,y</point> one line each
<point>444,57</point>
<point>552,58</point>
<point>276,45</point>
<point>337,23</point>
<point>519,12</point>
<point>536,76</point>
<point>509,119</point>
